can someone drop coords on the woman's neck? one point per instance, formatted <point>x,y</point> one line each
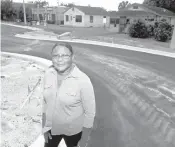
<point>67,72</point>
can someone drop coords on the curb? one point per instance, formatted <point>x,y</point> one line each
<point>41,61</point>
<point>25,27</point>
<point>39,142</point>
<point>118,46</point>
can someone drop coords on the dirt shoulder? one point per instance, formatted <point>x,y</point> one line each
<point>21,122</point>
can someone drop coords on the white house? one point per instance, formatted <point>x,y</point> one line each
<point>148,14</point>
<point>86,16</point>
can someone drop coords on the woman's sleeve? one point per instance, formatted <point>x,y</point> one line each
<point>88,101</point>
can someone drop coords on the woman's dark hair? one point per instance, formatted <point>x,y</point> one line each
<point>67,45</point>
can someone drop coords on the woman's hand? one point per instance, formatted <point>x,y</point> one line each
<point>47,136</point>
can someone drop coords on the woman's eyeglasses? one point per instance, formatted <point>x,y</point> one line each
<point>61,56</point>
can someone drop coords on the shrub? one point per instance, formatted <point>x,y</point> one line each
<point>150,29</point>
<point>163,31</point>
<point>138,30</point>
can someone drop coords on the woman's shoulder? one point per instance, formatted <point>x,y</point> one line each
<point>50,70</point>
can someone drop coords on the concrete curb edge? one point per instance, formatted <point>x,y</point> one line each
<point>25,27</point>
<point>41,61</point>
<point>120,46</point>
<point>124,47</point>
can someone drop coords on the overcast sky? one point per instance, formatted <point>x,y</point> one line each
<point>107,4</point>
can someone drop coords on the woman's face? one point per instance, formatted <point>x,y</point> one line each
<point>62,58</point>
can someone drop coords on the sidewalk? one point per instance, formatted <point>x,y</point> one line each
<point>40,35</point>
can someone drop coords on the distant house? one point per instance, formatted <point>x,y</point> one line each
<point>148,14</point>
<point>52,14</point>
<point>86,16</point>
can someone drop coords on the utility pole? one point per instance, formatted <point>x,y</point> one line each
<point>58,13</point>
<point>38,22</point>
<point>24,10</point>
<point>45,16</point>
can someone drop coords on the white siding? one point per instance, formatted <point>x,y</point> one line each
<point>72,13</point>
<point>173,21</point>
<point>97,21</point>
<point>172,45</point>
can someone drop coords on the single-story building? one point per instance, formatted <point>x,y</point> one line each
<point>148,14</point>
<point>86,16</point>
<point>53,14</point>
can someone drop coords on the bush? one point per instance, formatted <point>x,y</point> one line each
<point>150,29</point>
<point>138,30</point>
<point>163,31</point>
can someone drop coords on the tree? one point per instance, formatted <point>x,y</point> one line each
<point>68,4</point>
<point>123,5</point>
<point>7,10</point>
<point>21,14</point>
<point>40,3</point>
<point>167,4</point>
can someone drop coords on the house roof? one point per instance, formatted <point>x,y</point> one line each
<point>92,10</point>
<point>59,9</point>
<point>160,11</point>
<point>129,13</point>
<point>155,10</point>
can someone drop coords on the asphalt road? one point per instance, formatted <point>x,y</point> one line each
<point>115,124</point>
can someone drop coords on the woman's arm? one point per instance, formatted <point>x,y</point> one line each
<point>88,102</point>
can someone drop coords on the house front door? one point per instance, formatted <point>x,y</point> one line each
<point>72,20</point>
<point>53,17</point>
<point>122,24</point>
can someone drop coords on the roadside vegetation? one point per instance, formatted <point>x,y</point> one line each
<point>160,31</point>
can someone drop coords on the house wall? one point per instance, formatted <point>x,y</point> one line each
<point>58,15</point>
<point>97,21</point>
<point>172,44</point>
<point>41,11</point>
<point>151,19</point>
<point>173,21</point>
<point>72,13</point>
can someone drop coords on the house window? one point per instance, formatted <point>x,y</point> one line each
<point>112,21</point>
<point>128,21</point>
<point>53,17</point>
<point>104,19</point>
<point>150,19</point>
<point>135,7</point>
<point>67,17</point>
<point>40,16</point>
<point>91,19</point>
<point>78,18</point>
<point>117,21</point>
